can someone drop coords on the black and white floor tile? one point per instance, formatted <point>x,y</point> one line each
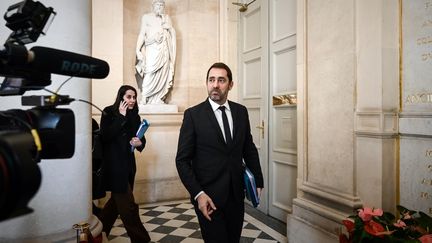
<point>177,222</point>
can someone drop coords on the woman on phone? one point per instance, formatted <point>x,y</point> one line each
<point>119,124</point>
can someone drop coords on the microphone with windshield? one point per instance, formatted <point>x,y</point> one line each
<point>67,63</point>
<point>49,60</point>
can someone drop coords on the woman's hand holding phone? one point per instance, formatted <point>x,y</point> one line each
<point>123,107</point>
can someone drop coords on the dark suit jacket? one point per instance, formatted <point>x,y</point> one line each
<point>119,166</point>
<point>204,161</point>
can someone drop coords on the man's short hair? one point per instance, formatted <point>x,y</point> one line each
<point>222,66</point>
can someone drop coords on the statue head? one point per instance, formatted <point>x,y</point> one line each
<point>158,6</point>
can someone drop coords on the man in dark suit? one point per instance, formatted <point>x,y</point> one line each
<point>212,145</point>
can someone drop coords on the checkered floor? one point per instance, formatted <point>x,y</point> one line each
<point>177,222</point>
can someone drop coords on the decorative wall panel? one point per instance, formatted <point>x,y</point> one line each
<point>284,69</point>
<point>254,118</point>
<point>252,76</point>
<point>284,16</point>
<point>285,129</point>
<point>416,98</point>
<point>252,28</point>
<point>283,171</point>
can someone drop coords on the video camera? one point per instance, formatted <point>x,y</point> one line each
<point>27,136</point>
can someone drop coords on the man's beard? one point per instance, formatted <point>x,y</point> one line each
<point>216,95</point>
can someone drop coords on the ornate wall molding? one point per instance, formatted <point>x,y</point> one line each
<point>330,194</point>
<point>415,124</point>
<point>376,124</point>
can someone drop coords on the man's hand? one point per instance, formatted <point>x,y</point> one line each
<point>206,205</point>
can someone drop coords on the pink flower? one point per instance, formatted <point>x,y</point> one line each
<point>343,239</point>
<point>349,225</point>
<point>374,228</point>
<point>400,224</point>
<point>426,238</point>
<point>366,213</point>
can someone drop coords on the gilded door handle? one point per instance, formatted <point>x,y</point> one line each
<point>261,128</point>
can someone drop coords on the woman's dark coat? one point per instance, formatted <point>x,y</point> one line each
<point>119,166</point>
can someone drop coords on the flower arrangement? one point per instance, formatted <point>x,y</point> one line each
<point>374,225</point>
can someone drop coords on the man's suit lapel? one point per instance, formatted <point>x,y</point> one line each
<point>211,116</point>
<point>236,122</point>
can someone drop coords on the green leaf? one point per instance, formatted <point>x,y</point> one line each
<point>402,210</point>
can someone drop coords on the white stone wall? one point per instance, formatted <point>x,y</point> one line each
<point>348,88</point>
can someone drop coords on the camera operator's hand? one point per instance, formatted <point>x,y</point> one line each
<point>123,107</point>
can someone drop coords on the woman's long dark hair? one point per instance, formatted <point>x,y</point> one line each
<point>121,92</point>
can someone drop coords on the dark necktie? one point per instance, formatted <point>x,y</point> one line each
<point>228,137</point>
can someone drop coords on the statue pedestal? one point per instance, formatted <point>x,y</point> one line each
<point>157,108</point>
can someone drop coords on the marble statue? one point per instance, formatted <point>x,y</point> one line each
<point>156,54</point>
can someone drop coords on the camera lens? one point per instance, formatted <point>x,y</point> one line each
<point>20,176</point>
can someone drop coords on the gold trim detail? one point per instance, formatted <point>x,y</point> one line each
<point>288,99</point>
<point>398,145</point>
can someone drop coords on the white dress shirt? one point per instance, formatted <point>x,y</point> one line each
<point>218,113</point>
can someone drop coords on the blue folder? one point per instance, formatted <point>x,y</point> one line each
<point>250,187</point>
<point>141,130</point>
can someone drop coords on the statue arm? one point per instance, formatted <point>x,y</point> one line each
<point>140,47</point>
<point>172,45</point>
